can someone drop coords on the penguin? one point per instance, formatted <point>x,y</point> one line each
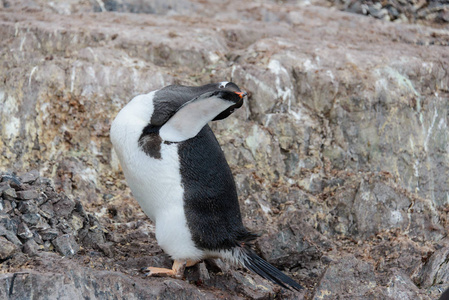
<point>179,175</point>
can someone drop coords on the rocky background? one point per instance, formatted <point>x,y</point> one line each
<point>340,154</point>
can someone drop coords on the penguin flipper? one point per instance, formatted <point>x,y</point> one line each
<point>253,262</point>
<point>191,117</point>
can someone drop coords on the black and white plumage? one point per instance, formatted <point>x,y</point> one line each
<point>179,175</point>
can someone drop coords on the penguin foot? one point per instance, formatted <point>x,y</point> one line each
<point>176,271</point>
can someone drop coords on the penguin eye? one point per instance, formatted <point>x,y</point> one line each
<point>222,85</point>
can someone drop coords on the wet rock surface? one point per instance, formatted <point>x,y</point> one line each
<point>340,153</point>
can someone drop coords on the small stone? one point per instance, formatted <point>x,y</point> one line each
<point>12,179</point>
<point>30,248</point>
<point>77,222</point>
<point>31,219</point>
<point>27,195</point>
<point>24,232</point>
<point>37,238</point>
<point>9,194</point>
<point>10,235</point>
<point>64,207</point>
<point>6,248</point>
<point>48,246</point>
<point>27,207</point>
<point>30,177</point>
<point>46,210</point>
<point>5,206</point>
<point>64,226</point>
<point>107,249</point>
<point>41,225</point>
<point>49,234</point>
<point>9,223</point>
<point>4,186</point>
<point>66,245</point>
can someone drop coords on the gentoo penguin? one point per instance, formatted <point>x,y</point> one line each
<point>179,175</point>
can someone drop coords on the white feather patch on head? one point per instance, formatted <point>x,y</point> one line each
<point>191,118</point>
<point>223,84</point>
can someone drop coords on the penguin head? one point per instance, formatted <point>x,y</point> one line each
<point>169,99</point>
<point>229,91</point>
<point>211,102</point>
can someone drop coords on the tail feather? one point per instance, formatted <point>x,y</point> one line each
<point>253,262</point>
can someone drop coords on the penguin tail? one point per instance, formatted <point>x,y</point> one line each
<point>250,260</point>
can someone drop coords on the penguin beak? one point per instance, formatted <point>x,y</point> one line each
<point>241,94</point>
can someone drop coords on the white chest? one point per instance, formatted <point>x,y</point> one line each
<point>155,182</point>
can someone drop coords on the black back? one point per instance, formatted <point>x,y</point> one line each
<point>210,197</point>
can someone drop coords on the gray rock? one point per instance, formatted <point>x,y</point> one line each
<point>31,219</point>
<point>64,207</point>
<point>27,207</point>
<point>30,247</point>
<point>6,206</point>
<point>24,232</point>
<point>436,269</point>
<point>66,245</point>
<point>347,277</point>
<point>48,234</point>
<point>46,210</point>
<point>27,194</point>
<point>9,193</point>
<point>76,282</point>
<point>6,248</point>
<point>30,177</point>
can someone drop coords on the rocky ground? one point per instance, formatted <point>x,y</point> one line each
<point>340,154</point>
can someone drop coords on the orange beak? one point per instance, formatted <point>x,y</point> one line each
<point>241,94</point>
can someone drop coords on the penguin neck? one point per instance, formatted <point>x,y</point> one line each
<point>132,119</point>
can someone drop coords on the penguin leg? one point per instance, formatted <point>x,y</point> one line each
<point>176,271</point>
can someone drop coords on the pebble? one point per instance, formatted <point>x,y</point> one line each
<point>24,232</point>
<point>9,194</point>
<point>64,207</point>
<point>49,234</point>
<point>66,245</point>
<point>30,247</point>
<point>27,195</point>
<point>31,219</point>
<point>30,177</point>
<point>27,207</point>
<point>6,248</point>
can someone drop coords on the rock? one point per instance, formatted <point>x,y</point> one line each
<point>6,206</point>
<point>436,269</point>
<point>46,210</point>
<point>348,276</point>
<point>48,234</point>
<point>30,177</point>
<point>27,195</point>
<point>74,281</point>
<point>24,232</point>
<point>66,245</point>
<point>10,235</point>
<point>11,178</point>
<point>6,248</point>
<point>27,207</point>
<point>64,207</point>
<point>9,194</point>
<point>31,248</point>
<point>31,219</point>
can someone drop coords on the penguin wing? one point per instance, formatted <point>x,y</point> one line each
<point>210,197</point>
<point>192,117</point>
